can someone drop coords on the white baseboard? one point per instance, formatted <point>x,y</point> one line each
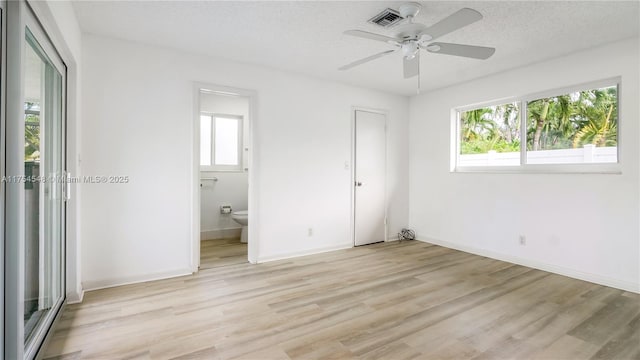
<point>289,255</point>
<point>74,297</point>
<point>220,233</point>
<point>556,269</point>
<point>113,282</point>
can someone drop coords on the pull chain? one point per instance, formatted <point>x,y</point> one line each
<point>418,92</point>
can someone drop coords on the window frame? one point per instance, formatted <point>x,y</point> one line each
<point>576,168</point>
<point>223,168</point>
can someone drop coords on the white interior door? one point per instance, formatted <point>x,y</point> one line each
<point>370,173</point>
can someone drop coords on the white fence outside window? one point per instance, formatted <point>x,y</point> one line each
<point>589,154</point>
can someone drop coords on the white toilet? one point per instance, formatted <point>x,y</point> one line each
<point>242,218</point>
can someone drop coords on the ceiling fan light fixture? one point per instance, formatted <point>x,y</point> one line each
<point>424,38</point>
<point>410,49</point>
<point>433,48</point>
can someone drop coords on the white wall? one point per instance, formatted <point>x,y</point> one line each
<point>138,113</point>
<point>581,225</point>
<point>59,20</point>
<point>232,187</point>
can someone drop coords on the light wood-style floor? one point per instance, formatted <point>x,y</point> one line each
<point>385,301</point>
<point>221,252</point>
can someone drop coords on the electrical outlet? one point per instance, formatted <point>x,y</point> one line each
<point>310,232</point>
<point>523,240</point>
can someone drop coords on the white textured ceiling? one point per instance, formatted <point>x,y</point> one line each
<point>306,36</point>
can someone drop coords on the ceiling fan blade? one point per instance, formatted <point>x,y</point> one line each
<point>470,51</point>
<point>367,59</point>
<point>455,21</point>
<point>411,67</point>
<point>371,36</point>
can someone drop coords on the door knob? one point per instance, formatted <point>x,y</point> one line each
<point>358,183</point>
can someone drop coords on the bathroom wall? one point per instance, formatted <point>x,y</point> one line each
<point>231,187</point>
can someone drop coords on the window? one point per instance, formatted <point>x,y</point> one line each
<point>490,136</point>
<point>574,129</point>
<point>220,142</point>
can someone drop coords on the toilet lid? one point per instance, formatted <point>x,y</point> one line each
<point>241,212</point>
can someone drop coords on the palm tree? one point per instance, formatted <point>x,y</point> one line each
<point>599,131</point>
<point>510,117</point>
<point>597,118</point>
<point>538,112</point>
<point>555,119</point>
<point>563,110</point>
<point>476,123</point>
<point>32,138</point>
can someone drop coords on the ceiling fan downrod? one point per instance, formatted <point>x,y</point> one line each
<point>409,10</point>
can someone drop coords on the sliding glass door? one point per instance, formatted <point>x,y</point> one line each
<point>44,186</point>
<point>36,187</point>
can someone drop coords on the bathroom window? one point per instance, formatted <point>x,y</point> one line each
<point>220,142</point>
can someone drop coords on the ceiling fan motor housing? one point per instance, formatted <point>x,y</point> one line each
<point>411,31</point>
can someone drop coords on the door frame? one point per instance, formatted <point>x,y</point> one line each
<point>14,199</point>
<point>253,240</point>
<point>384,112</point>
<point>3,92</point>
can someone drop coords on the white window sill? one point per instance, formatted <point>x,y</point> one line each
<point>223,171</point>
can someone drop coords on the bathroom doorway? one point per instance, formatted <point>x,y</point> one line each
<point>223,129</point>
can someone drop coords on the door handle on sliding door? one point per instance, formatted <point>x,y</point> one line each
<point>66,188</point>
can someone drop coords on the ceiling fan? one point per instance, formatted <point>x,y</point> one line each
<point>411,37</point>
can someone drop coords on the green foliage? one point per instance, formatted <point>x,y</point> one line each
<point>32,138</point>
<point>481,146</point>
<point>491,128</point>
<point>573,120</point>
<point>559,122</point>
<point>598,131</point>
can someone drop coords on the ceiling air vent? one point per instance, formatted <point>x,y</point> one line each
<point>386,18</point>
